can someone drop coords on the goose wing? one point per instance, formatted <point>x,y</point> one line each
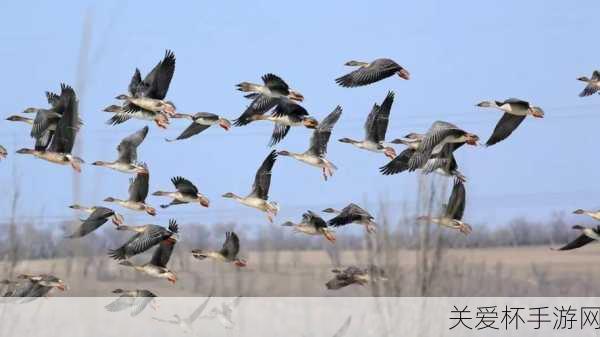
<point>128,147</point>
<point>507,124</point>
<point>276,84</point>
<point>349,214</point>
<point>141,242</point>
<point>320,137</point>
<point>376,71</point>
<point>262,180</point>
<point>456,203</point>
<point>135,85</point>
<point>162,254</point>
<point>436,134</point>
<point>192,130</point>
<point>398,164</point>
<point>580,241</point>
<point>260,104</point>
<point>231,247</point>
<point>43,120</point>
<point>377,121</point>
<point>156,84</point>
<point>68,124</point>
<point>138,188</point>
<point>185,186</point>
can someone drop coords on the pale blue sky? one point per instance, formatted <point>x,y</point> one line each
<point>458,53</point>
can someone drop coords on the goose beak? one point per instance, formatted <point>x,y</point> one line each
<point>225,124</point>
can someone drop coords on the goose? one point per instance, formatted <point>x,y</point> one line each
<point>593,84</point>
<point>587,235</point>
<point>186,192</point>
<point>312,224</point>
<point>315,155</point>
<point>17,118</point>
<point>258,197</point>
<point>352,214</point>
<point>98,216</point>
<point>127,150</point>
<point>145,237</point>
<point>62,142</point>
<point>138,191</point>
<point>515,110</point>
<point>224,314</point>
<point>368,73</point>
<point>186,323</point>
<point>439,134</point>
<point>594,214</point>
<point>137,300</point>
<point>157,267</point>
<point>31,286</point>
<point>149,94</point>
<point>228,253</point>
<point>375,129</point>
<point>124,113</point>
<point>284,116</point>
<point>272,91</point>
<point>3,152</point>
<point>355,275</point>
<point>454,211</point>
<point>200,122</point>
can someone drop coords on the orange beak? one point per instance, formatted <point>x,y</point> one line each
<point>225,124</point>
<point>329,236</point>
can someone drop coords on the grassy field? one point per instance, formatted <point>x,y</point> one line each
<point>508,271</point>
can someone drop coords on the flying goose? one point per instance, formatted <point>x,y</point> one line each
<point>369,73</point>
<point>593,84</point>
<point>352,214</point>
<point>258,197</point>
<point>157,267</point>
<point>312,224</point>
<point>185,323</point>
<point>228,253</point>
<point>138,191</point>
<point>127,148</point>
<point>587,235</point>
<point>33,285</point>
<point>186,192</point>
<point>200,122</point>
<point>273,90</point>
<point>146,237</point>
<point>62,142</point>
<point>122,114</point>
<point>515,110</point>
<point>285,115</point>
<point>315,155</point>
<point>594,214</point>
<point>137,300</point>
<point>98,216</point>
<point>375,129</point>
<point>454,211</point>
<point>439,134</point>
<point>149,94</point>
<point>355,275</point>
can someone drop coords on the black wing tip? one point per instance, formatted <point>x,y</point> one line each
<point>117,254</point>
<point>173,226</point>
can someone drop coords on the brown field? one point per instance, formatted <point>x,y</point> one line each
<point>507,271</point>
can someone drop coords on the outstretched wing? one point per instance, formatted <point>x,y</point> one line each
<point>96,219</point>
<point>138,189</point>
<point>231,247</point>
<point>376,71</point>
<point>185,186</point>
<point>128,147</point>
<point>506,125</point>
<point>580,241</point>
<point>320,137</point>
<point>156,84</point>
<point>262,180</point>
<point>457,201</point>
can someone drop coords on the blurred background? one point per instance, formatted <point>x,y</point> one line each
<point>520,193</point>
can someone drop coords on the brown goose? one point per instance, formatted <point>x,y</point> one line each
<point>265,96</point>
<point>312,224</point>
<point>157,267</point>
<point>58,150</point>
<point>200,122</point>
<point>127,161</point>
<point>136,300</point>
<point>146,237</point>
<point>138,191</point>
<point>228,254</point>
<point>454,211</point>
<point>369,73</point>
<point>593,84</point>
<point>32,286</point>
<point>439,134</point>
<point>149,94</point>
<point>515,110</point>
<point>355,275</point>
<point>375,129</point>
<point>258,197</point>
<point>587,235</point>
<point>98,216</point>
<point>186,192</point>
<point>315,155</point>
<point>352,214</point>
